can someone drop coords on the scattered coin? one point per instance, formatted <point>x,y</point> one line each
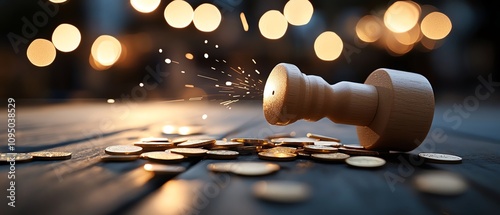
<point>164,169</point>
<point>440,183</point>
<point>282,191</point>
<point>362,152</point>
<point>250,141</point>
<point>229,144</point>
<point>295,141</point>
<point>162,156</point>
<point>123,150</point>
<point>179,140</point>
<point>440,158</point>
<point>111,158</point>
<point>154,145</point>
<point>15,157</point>
<point>320,149</point>
<point>189,152</point>
<point>254,168</point>
<point>331,157</point>
<point>322,137</point>
<point>222,154</point>
<point>283,149</point>
<point>50,155</point>
<point>277,156</point>
<point>328,143</point>
<point>197,143</point>
<point>352,146</point>
<point>365,161</point>
<point>155,139</point>
<point>220,167</point>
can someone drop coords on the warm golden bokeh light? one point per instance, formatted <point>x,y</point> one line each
<point>273,25</point>
<point>402,16</point>
<point>66,37</point>
<point>106,50</point>
<point>57,1</point>
<point>298,12</point>
<point>410,37</point>
<point>436,25</point>
<point>328,46</point>
<point>369,29</point>
<point>96,65</point>
<point>145,6</point>
<point>207,17</point>
<point>189,56</point>
<point>41,52</point>
<point>394,47</point>
<point>244,21</point>
<point>179,14</point>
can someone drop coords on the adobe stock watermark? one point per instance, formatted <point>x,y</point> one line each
<point>31,25</point>
<point>454,115</point>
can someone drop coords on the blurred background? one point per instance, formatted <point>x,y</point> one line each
<point>224,49</point>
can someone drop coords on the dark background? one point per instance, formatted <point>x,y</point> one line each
<point>467,52</point>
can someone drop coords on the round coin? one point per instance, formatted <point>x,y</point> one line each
<point>365,161</point>
<point>328,143</point>
<point>162,156</point>
<point>154,145</point>
<point>196,143</point>
<point>164,169</point>
<point>277,156</point>
<point>440,158</point>
<point>330,157</point>
<point>282,191</point>
<point>352,146</point>
<point>250,141</point>
<point>322,137</point>
<point>111,158</point>
<point>362,152</point>
<point>123,150</point>
<point>220,167</point>
<point>15,157</point>
<point>48,155</point>
<point>320,149</point>
<point>254,168</point>
<point>189,152</point>
<point>222,154</point>
<point>229,144</point>
<point>440,183</point>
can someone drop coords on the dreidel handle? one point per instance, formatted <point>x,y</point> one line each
<point>393,110</point>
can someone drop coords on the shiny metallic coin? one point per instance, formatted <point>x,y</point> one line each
<point>154,145</point>
<point>277,156</point>
<point>250,141</point>
<point>328,143</point>
<point>322,137</point>
<point>440,183</point>
<point>154,139</point>
<point>229,144</point>
<point>220,167</point>
<point>330,157</point>
<point>111,158</point>
<point>352,146</point>
<point>282,149</point>
<point>123,150</point>
<point>361,152</point>
<point>222,154</point>
<point>15,157</point>
<point>189,152</point>
<point>320,149</point>
<point>440,158</point>
<point>50,155</point>
<point>197,143</point>
<point>282,191</point>
<point>294,142</point>
<point>162,156</point>
<point>164,169</point>
<point>365,161</point>
<point>178,140</point>
<point>254,168</point>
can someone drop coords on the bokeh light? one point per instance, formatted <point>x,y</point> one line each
<point>394,47</point>
<point>410,37</point>
<point>57,1</point>
<point>145,6</point>
<point>273,25</point>
<point>41,52</point>
<point>244,21</point>
<point>207,17</point>
<point>402,16</point>
<point>298,12</point>
<point>328,46</point>
<point>436,25</point>
<point>178,14</point>
<point>189,56</point>
<point>106,50</point>
<point>66,37</point>
<point>369,29</point>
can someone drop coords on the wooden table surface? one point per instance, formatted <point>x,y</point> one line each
<point>85,185</point>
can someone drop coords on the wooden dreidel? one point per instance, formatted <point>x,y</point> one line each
<point>392,110</point>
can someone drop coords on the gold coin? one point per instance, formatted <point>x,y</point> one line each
<point>49,155</point>
<point>162,156</point>
<point>282,191</point>
<point>229,144</point>
<point>196,143</point>
<point>222,154</point>
<point>164,169</point>
<point>179,140</point>
<point>296,141</point>
<point>250,141</point>
<point>220,167</point>
<point>277,156</point>
<point>320,149</point>
<point>15,157</point>
<point>254,168</point>
<point>123,150</point>
<point>440,158</point>
<point>283,149</point>
<point>365,161</point>
<point>361,152</point>
<point>328,143</point>
<point>440,183</point>
<point>322,137</point>
<point>189,152</point>
<point>154,145</point>
<point>111,158</point>
<point>155,139</point>
<point>352,146</point>
<point>330,157</point>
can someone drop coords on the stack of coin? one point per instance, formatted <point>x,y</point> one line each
<point>200,143</point>
<point>222,154</point>
<point>293,142</point>
<point>250,141</point>
<point>225,145</point>
<point>320,149</point>
<point>154,146</point>
<point>322,137</point>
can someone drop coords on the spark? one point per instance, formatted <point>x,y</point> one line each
<point>253,60</point>
<point>189,85</point>
<point>257,71</point>
<point>160,50</point>
<point>168,61</point>
<point>210,78</point>
<point>196,98</point>
<point>205,55</point>
<point>111,101</point>
<point>141,85</point>
<point>228,83</point>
